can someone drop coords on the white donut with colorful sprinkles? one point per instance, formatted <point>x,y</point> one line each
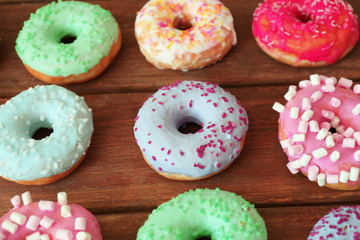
<point>192,156</point>
<point>319,130</point>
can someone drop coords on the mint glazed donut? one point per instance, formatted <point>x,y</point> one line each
<point>213,214</point>
<point>30,161</point>
<point>68,42</point>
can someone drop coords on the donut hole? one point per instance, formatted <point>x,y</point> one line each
<point>189,125</point>
<point>332,130</point>
<point>204,238</point>
<point>42,133</point>
<point>302,16</point>
<point>182,23</point>
<point>68,39</point>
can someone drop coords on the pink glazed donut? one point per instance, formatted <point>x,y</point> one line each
<point>340,223</point>
<point>46,220</point>
<point>319,130</point>
<point>306,33</point>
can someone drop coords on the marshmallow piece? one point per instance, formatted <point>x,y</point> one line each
<point>356,88</point>
<point>335,102</point>
<point>285,143</point>
<point>294,112</point>
<point>292,170</point>
<point>328,114</point>
<point>83,236</point>
<point>62,198</point>
<point>33,222</point>
<point>332,179</point>
<point>46,205</point>
<point>330,142</point>
<point>357,155</point>
<point>278,107</point>
<point>325,125</point>
<point>338,138</point>
<point>319,153</point>
<point>315,79</point>
<point>299,137</point>
<point>290,94</point>
<point>348,143</point>
<point>321,179</point>
<point>314,126</point>
<point>322,134</point>
<point>316,96</point>
<point>307,115</point>
<point>80,223</point>
<point>46,222</point>
<point>328,88</point>
<point>356,110</point>
<point>44,237</point>
<point>295,150</point>
<point>16,202</point>
<point>357,137</point>
<point>313,173</point>
<point>344,82</point>
<point>295,164</point>
<point>304,83</point>
<point>354,174</point>
<point>64,234</point>
<point>330,80</point>
<point>335,122</point>
<point>349,132</point>
<point>34,236</point>
<point>65,211</point>
<point>26,198</point>
<point>344,176</point>
<point>306,104</point>
<point>340,129</point>
<point>18,218</point>
<point>334,156</point>
<point>9,226</point>
<point>304,160</point>
<point>303,126</point>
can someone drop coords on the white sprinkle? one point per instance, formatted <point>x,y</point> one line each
<point>34,236</point>
<point>304,160</point>
<point>303,126</point>
<point>299,137</point>
<point>334,156</point>
<point>46,222</point>
<point>307,115</point>
<point>26,198</point>
<point>18,218</point>
<point>335,102</point>
<point>344,82</point>
<point>304,83</point>
<point>9,226</point>
<point>356,110</point>
<point>295,164</point>
<point>330,142</point>
<point>349,132</point>
<point>313,173</point>
<point>306,104</point>
<point>80,223</point>
<point>65,211</point>
<point>294,112</point>
<point>356,88</point>
<point>344,176</point>
<point>325,125</point>
<point>64,234</point>
<point>328,114</point>
<point>44,237</point>
<point>332,179</point>
<point>314,126</point>
<point>290,94</point>
<point>62,198</point>
<point>315,79</point>
<point>83,236</point>
<point>331,80</point>
<point>46,205</point>
<point>328,88</point>
<point>316,96</point>
<point>340,129</point>
<point>295,150</point>
<point>357,155</point>
<point>321,179</point>
<point>285,143</point>
<point>278,107</point>
<point>354,174</point>
<point>42,118</point>
<point>292,170</point>
<point>348,143</point>
<point>33,222</point>
<point>319,153</point>
<point>338,137</point>
<point>357,137</point>
<point>335,122</point>
<point>322,134</point>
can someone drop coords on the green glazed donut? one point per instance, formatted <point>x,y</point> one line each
<point>216,214</point>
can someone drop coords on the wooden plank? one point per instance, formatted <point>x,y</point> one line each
<point>245,65</point>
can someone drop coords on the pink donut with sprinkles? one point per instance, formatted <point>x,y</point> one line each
<point>46,220</point>
<point>306,33</point>
<point>340,223</point>
<point>184,35</point>
<point>191,156</point>
<point>319,130</point>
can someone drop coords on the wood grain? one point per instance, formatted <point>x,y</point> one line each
<point>116,184</point>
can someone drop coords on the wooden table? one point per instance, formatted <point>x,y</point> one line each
<point>116,184</point>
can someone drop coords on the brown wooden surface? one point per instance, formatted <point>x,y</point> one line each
<point>116,184</point>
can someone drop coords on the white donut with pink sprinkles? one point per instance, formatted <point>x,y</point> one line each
<point>197,155</point>
<point>319,130</point>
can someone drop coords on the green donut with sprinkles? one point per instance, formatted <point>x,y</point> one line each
<point>68,42</point>
<point>204,213</point>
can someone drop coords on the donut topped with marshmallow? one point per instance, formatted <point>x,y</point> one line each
<point>319,130</point>
<point>45,220</point>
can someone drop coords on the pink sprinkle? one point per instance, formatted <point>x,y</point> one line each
<point>137,117</point>
<point>136,129</point>
<point>160,168</point>
<point>181,153</point>
<point>160,103</point>
<point>215,105</point>
<point>230,109</point>
<point>172,163</point>
<point>173,96</point>
<point>159,126</point>
<point>149,142</point>
<point>218,165</point>
<point>163,94</point>
<point>168,152</point>
<point>224,99</point>
<point>190,103</point>
<point>154,158</point>
<point>216,155</point>
<point>153,109</point>
<point>199,165</point>
<point>221,148</point>
<point>223,115</point>
<point>208,101</point>
<point>181,107</point>
<point>162,149</point>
